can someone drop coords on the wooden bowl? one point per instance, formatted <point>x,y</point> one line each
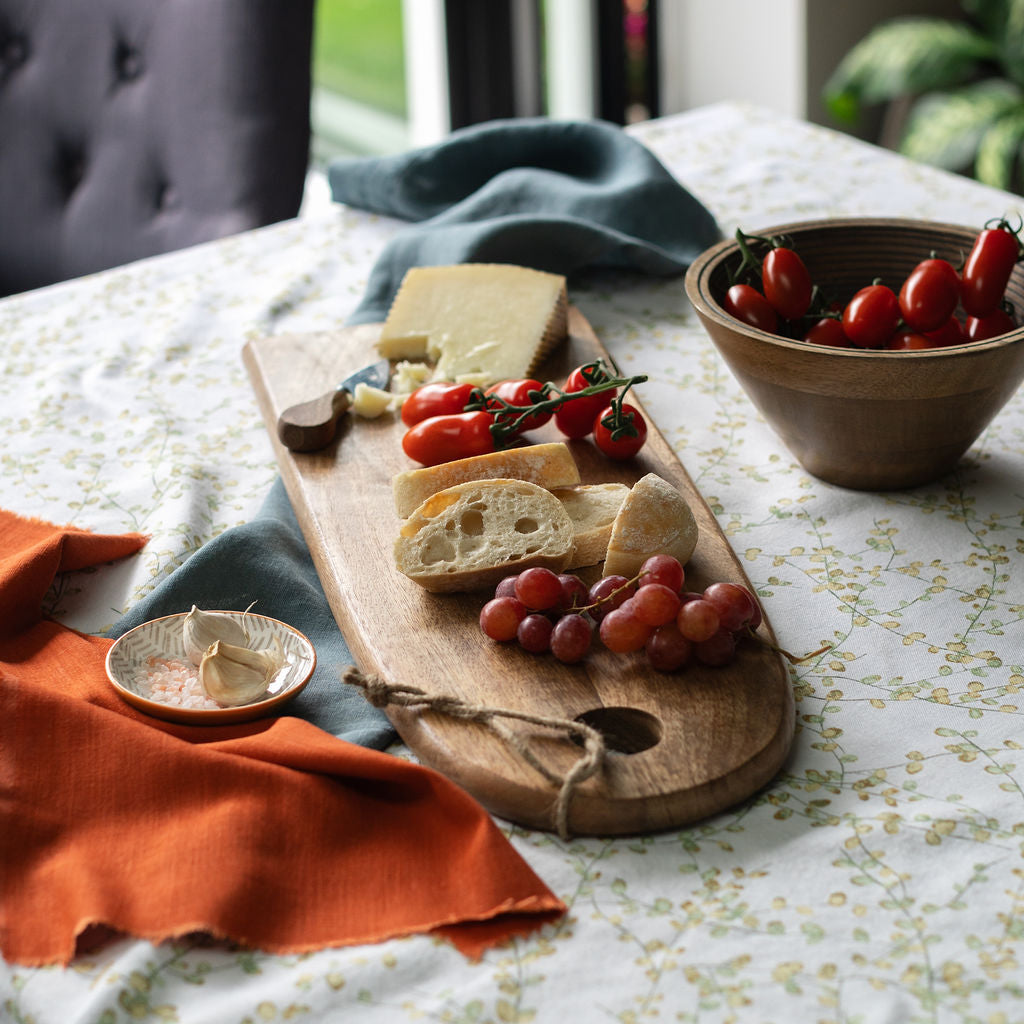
<point>860,418</point>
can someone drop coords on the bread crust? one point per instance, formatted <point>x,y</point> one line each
<point>654,520</point>
<point>470,536</point>
<point>549,465</point>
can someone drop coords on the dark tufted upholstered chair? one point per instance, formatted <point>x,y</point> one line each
<point>134,127</point>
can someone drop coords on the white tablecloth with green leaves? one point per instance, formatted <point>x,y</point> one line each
<point>879,878</point>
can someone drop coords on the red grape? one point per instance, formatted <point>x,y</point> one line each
<point>600,594</point>
<point>534,633</point>
<point>622,632</point>
<point>663,569</point>
<point>570,638</point>
<point>538,588</point>
<point>574,592</point>
<point>717,650</point>
<point>734,604</point>
<point>500,618</point>
<point>698,620</point>
<point>507,587</point>
<point>655,604</point>
<point>667,649</point>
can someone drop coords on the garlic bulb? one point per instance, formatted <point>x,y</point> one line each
<point>233,676</point>
<point>202,629</point>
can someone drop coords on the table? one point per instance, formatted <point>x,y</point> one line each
<point>878,878</point>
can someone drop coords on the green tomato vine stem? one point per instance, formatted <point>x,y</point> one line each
<point>509,418</point>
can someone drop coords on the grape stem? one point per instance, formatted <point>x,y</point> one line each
<point>509,418</point>
<point>793,659</point>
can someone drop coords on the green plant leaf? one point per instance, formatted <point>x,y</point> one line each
<point>990,15</point>
<point>1011,42</point>
<point>1000,150</point>
<point>945,129</point>
<point>906,56</point>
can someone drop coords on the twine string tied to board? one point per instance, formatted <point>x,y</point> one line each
<point>381,694</point>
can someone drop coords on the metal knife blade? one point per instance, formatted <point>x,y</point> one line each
<point>310,426</point>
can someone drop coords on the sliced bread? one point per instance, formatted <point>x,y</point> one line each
<point>654,520</point>
<point>547,465</point>
<point>470,536</point>
<point>592,509</point>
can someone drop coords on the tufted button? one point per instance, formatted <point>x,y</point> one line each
<point>127,62</point>
<point>166,197</point>
<point>70,168</point>
<point>13,51</point>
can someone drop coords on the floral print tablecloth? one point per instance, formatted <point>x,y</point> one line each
<point>879,878</point>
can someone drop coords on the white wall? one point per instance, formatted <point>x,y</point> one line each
<point>776,53</point>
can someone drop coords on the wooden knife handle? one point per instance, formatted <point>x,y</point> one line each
<point>310,426</point>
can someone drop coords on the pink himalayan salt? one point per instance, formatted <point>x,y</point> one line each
<point>175,682</point>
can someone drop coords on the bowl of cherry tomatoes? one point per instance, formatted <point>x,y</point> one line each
<point>877,349</point>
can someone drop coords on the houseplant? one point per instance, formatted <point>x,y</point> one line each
<point>959,85</point>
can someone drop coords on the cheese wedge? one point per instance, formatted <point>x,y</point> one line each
<point>476,322</point>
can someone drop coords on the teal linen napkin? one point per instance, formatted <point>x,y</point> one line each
<point>557,196</point>
<point>561,196</point>
<point>267,562</point>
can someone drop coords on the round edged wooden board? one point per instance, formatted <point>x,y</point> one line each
<point>680,746</point>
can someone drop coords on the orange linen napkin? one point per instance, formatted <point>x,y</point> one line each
<point>273,834</point>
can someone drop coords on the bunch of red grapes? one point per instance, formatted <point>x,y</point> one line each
<point>544,611</point>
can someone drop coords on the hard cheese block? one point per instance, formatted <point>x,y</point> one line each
<point>479,322</point>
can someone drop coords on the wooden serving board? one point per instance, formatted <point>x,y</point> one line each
<point>681,746</point>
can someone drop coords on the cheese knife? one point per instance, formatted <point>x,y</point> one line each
<point>310,426</point>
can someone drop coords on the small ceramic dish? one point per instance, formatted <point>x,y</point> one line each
<point>143,649</point>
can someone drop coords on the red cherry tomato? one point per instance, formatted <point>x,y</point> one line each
<point>746,303</point>
<point>827,331</point>
<point>628,440</point>
<point>575,418</point>
<point>517,392</point>
<point>786,282</point>
<point>435,400</point>
<point>950,333</point>
<point>454,436</point>
<point>929,295</point>
<point>981,328</point>
<point>988,268</point>
<point>903,340</point>
<point>871,316</point>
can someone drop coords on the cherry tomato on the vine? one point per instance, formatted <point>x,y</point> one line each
<point>575,418</point>
<point>786,283</point>
<point>904,340</point>
<point>950,333</point>
<point>517,392</point>
<point>746,303</point>
<point>828,331</point>
<point>871,316</point>
<point>436,399</point>
<point>988,268</point>
<point>453,436</point>
<point>981,328</point>
<point>929,295</point>
<point>619,443</point>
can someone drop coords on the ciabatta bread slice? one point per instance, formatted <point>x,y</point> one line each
<point>654,520</point>
<point>592,509</point>
<point>472,535</point>
<point>548,465</point>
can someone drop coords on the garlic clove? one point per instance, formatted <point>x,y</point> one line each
<point>201,629</point>
<point>233,675</point>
